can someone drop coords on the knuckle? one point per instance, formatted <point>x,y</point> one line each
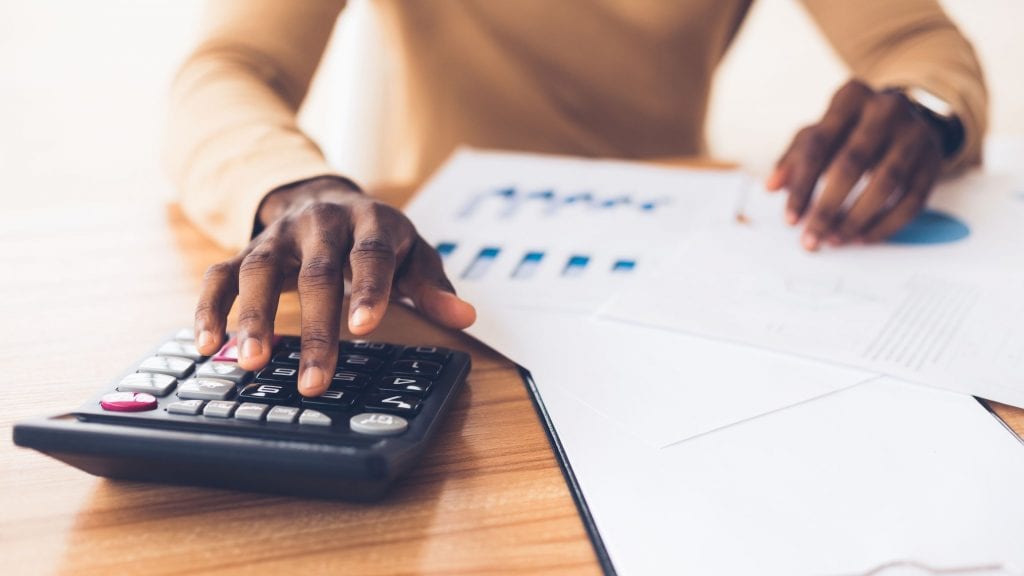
<point>320,270</point>
<point>373,247</point>
<point>369,289</point>
<point>257,261</point>
<point>324,214</point>
<point>317,338</point>
<point>206,310</point>
<point>218,271</point>
<point>252,318</point>
<point>854,158</point>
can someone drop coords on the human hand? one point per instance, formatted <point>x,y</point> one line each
<point>315,232</point>
<point>875,135</point>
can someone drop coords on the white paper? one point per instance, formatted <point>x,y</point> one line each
<point>883,473</point>
<point>948,314</point>
<point>691,386</point>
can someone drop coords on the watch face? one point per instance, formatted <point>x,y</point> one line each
<point>933,103</point>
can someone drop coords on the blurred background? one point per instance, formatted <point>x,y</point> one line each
<point>84,84</point>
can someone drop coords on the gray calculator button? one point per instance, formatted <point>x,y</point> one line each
<point>219,409</point>
<point>155,384</point>
<point>251,411</point>
<point>185,335</point>
<point>182,349</point>
<point>378,424</point>
<point>205,389</point>
<point>282,414</point>
<point>314,418</point>
<point>187,407</point>
<point>222,370</point>
<point>170,365</point>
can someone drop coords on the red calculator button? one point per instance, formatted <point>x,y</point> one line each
<point>128,402</point>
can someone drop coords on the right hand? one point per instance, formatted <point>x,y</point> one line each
<point>315,232</point>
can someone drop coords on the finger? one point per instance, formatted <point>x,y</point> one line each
<point>861,151</point>
<point>424,281</point>
<point>887,183</point>
<point>321,289</point>
<point>905,209</point>
<point>813,147</point>
<point>372,261</point>
<point>220,286</point>
<point>259,286</point>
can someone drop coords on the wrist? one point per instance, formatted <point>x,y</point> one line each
<point>280,200</point>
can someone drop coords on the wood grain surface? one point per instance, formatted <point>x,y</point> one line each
<point>87,288</point>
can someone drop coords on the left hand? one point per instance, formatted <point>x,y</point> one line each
<point>864,133</point>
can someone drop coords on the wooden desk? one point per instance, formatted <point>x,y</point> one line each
<point>87,288</point>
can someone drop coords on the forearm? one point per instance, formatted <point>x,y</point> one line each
<point>232,135</point>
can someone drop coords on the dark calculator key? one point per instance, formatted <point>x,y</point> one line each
<point>359,362</point>
<point>331,400</point>
<point>286,357</point>
<point>402,404</point>
<point>362,347</point>
<point>432,353</point>
<point>424,368</point>
<point>269,392</point>
<point>347,379</point>
<point>406,384</point>
<point>281,374</point>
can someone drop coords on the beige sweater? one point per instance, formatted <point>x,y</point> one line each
<point>614,78</point>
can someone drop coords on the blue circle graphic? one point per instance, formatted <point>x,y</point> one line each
<point>931,227</point>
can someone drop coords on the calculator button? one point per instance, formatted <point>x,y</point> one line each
<point>424,368</point>
<point>219,409</point>
<point>286,357</point>
<point>283,414</point>
<point>432,353</point>
<point>185,335</point>
<point>128,402</point>
<point>170,365</point>
<point>182,349</point>
<point>251,411</point>
<point>186,407</point>
<point>378,424</point>
<point>222,370</point>
<point>407,384</point>
<point>205,389</point>
<point>274,392</point>
<point>314,418</point>
<point>331,400</point>
<point>228,352</point>
<point>279,374</point>
<point>347,379</point>
<point>359,362</point>
<point>155,384</point>
<point>394,403</point>
<point>362,347</point>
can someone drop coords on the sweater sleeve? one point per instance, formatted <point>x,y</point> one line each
<point>232,136</point>
<point>910,43</point>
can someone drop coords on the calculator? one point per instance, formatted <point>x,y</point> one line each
<point>180,417</point>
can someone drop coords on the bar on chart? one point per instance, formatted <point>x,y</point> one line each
<point>445,249</point>
<point>625,265</point>
<point>576,265</point>
<point>481,263</point>
<point>527,267</point>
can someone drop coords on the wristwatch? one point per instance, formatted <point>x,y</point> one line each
<point>939,114</point>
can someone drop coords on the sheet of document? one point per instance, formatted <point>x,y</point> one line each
<point>884,473</point>
<point>940,304</point>
<point>535,231</point>
<point>691,386</point>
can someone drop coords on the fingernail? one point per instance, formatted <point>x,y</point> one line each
<point>810,241</point>
<point>361,316</point>
<point>312,379</point>
<point>204,340</point>
<point>251,348</point>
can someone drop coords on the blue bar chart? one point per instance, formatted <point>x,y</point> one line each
<point>509,202</point>
<point>525,265</point>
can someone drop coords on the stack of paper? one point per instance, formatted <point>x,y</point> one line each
<point>698,455</point>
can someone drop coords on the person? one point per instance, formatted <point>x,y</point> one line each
<point>606,78</point>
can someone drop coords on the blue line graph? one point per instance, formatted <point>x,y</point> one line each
<point>508,202</point>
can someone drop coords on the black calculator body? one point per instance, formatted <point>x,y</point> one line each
<point>178,417</point>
